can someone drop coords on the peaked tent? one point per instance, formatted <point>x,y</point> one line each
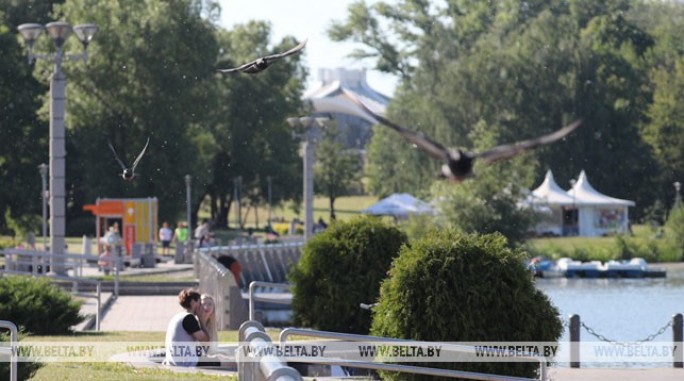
<point>582,210</point>
<point>559,218</point>
<point>399,205</point>
<point>599,214</point>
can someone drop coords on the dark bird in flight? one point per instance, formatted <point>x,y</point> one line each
<point>260,64</point>
<point>458,164</point>
<point>129,173</point>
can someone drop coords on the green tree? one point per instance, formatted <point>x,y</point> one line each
<point>20,130</point>
<point>147,77</point>
<point>522,70</point>
<point>336,171</point>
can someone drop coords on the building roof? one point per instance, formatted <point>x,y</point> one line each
<point>329,97</point>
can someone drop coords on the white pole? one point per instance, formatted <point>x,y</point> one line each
<point>57,165</point>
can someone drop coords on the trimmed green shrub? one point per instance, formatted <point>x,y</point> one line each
<point>341,268</point>
<point>25,369</point>
<point>450,287</point>
<point>37,306</point>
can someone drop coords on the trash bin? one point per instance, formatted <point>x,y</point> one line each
<point>180,251</point>
<point>148,259</point>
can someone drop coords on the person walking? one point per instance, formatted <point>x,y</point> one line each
<point>180,234</point>
<point>165,235</point>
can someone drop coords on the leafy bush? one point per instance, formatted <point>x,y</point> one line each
<point>464,288</point>
<point>25,369</point>
<point>341,268</point>
<point>37,306</point>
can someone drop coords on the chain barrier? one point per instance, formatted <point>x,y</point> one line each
<point>627,343</point>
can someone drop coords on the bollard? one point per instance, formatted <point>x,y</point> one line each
<point>574,341</point>
<point>678,340</point>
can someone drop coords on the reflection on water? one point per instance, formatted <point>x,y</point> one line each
<point>623,310</point>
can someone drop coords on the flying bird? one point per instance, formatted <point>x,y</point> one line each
<point>129,173</point>
<point>260,64</point>
<point>458,164</point>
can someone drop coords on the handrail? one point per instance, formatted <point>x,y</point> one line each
<point>78,264</point>
<point>12,349</point>
<point>252,297</point>
<point>269,367</point>
<point>406,368</point>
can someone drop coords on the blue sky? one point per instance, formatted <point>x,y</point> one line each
<point>307,19</point>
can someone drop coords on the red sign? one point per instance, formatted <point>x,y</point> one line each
<point>129,238</point>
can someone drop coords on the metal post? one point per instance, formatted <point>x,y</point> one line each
<point>43,168</point>
<point>309,151</point>
<point>678,340</point>
<point>575,341</point>
<point>188,204</point>
<point>268,181</point>
<point>57,165</point>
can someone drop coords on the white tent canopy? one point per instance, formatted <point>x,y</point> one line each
<point>399,205</point>
<point>582,210</point>
<point>585,194</point>
<point>550,192</point>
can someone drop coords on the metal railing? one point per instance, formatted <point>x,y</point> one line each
<point>677,323</point>
<point>12,349</point>
<point>259,262</point>
<point>216,280</point>
<point>268,367</point>
<point>35,263</point>
<point>254,297</point>
<point>410,368</point>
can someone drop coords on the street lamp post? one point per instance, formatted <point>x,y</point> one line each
<point>59,31</point>
<point>269,182</point>
<point>188,209</point>
<point>309,130</point>
<point>678,196</point>
<point>43,169</point>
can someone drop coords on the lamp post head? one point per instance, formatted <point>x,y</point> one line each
<point>85,33</point>
<point>677,185</point>
<point>43,168</point>
<point>188,180</point>
<point>60,31</point>
<point>30,32</point>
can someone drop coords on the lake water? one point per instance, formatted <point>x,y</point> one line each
<point>624,310</point>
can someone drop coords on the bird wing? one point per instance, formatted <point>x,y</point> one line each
<point>266,58</point>
<point>137,159</point>
<point>236,69</point>
<point>428,145</point>
<point>287,53</point>
<point>116,156</point>
<point>507,151</point>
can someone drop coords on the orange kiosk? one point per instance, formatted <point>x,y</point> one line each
<point>136,216</point>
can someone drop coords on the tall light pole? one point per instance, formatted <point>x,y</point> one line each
<point>309,129</point>
<point>575,215</point>
<point>678,195</point>
<point>43,169</point>
<point>59,31</point>
<point>269,182</point>
<point>188,203</point>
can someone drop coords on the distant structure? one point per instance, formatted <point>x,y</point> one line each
<point>353,124</point>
